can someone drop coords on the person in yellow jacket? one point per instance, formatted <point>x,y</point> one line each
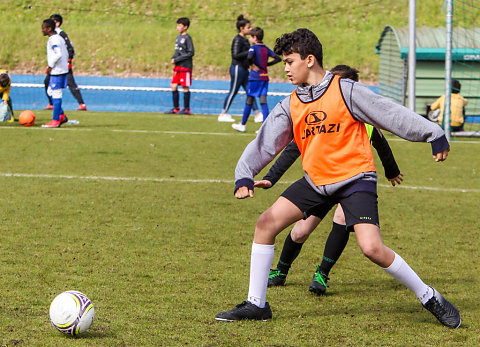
<point>457,106</point>
<point>5,85</point>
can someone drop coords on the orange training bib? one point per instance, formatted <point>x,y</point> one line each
<point>333,144</point>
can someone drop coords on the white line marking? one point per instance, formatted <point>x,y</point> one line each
<point>73,128</point>
<point>452,141</point>
<point>178,132</point>
<point>111,178</point>
<point>189,180</point>
<point>437,189</point>
<point>133,131</point>
<point>146,89</point>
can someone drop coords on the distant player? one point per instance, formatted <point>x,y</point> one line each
<point>239,70</point>
<point>72,85</point>
<point>183,65</point>
<point>339,235</point>
<point>325,116</point>
<point>57,60</point>
<point>457,107</point>
<point>5,86</point>
<point>258,56</point>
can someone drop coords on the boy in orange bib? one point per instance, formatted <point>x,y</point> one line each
<point>325,117</point>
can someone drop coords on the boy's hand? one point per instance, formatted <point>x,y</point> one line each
<point>396,180</point>
<point>441,156</point>
<point>173,61</point>
<point>254,67</point>
<point>262,184</point>
<point>243,192</point>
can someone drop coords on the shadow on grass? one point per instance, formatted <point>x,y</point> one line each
<point>93,334</point>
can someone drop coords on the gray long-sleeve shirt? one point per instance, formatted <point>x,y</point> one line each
<point>364,105</point>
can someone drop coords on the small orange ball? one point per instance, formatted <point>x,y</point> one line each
<point>26,118</point>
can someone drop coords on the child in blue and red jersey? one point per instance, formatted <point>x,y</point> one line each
<point>258,78</point>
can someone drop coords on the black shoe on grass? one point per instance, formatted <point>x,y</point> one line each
<point>246,310</point>
<point>443,310</point>
<point>173,111</point>
<point>185,111</point>
<point>319,282</point>
<point>276,278</point>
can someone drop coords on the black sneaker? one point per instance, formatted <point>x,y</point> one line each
<point>276,278</point>
<point>443,310</point>
<point>185,111</point>
<point>246,310</point>
<point>173,111</point>
<point>319,282</point>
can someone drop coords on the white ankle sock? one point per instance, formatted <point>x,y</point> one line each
<point>403,273</point>
<point>260,263</point>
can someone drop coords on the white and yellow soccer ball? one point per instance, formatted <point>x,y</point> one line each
<point>71,312</point>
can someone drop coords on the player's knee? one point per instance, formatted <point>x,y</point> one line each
<point>264,222</point>
<point>372,250</point>
<point>250,100</point>
<point>263,99</point>
<point>299,234</point>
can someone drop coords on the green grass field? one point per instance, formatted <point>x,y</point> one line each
<point>137,211</point>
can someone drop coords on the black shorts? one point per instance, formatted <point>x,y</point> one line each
<point>359,207</point>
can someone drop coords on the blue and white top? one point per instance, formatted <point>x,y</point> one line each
<point>57,55</point>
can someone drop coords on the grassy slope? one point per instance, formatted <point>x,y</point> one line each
<point>122,37</point>
<point>160,259</point>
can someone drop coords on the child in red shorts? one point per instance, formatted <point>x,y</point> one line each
<point>182,72</point>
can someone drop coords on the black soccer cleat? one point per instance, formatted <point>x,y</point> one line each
<point>174,110</point>
<point>276,278</point>
<point>443,310</point>
<point>185,111</point>
<point>246,310</point>
<point>319,282</point>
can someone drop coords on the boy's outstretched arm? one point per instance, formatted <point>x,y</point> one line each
<point>381,112</point>
<point>275,133</point>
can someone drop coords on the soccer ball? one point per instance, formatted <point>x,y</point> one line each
<point>27,118</point>
<point>71,312</point>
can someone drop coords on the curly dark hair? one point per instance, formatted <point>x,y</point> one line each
<point>301,41</point>
<point>345,71</point>
<point>4,79</point>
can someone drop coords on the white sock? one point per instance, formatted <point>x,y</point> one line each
<point>403,273</point>
<point>260,263</point>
